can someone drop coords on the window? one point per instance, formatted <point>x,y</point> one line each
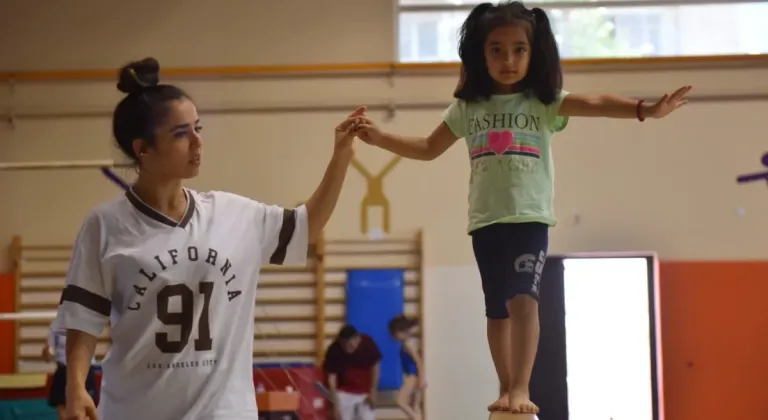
<point>429,37</point>
<point>602,29</point>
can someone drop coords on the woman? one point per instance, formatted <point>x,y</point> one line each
<point>175,270</point>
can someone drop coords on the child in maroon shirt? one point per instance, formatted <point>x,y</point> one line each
<point>352,371</point>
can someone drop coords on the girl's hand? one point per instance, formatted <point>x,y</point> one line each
<point>345,132</point>
<point>669,103</point>
<point>368,132</point>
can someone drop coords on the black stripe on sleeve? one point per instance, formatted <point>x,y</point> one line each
<point>284,238</point>
<point>90,300</point>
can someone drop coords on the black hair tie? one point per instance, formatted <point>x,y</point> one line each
<point>534,16</point>
<point>139,79</point>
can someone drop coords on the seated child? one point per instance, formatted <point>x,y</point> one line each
<point>409,396</point>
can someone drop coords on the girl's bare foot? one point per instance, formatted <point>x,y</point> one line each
<point>502,404</point>
<point>520,402</point>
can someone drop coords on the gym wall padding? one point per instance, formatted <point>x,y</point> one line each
<point>373,298</point>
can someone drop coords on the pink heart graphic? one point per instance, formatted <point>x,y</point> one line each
<point>500,141</point>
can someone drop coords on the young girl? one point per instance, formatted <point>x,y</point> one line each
<point>508,105</point>
<point>409,397</point>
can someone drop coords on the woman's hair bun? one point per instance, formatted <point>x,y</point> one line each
<point>139,75</point>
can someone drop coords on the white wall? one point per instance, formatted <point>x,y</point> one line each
<point>461,380</point>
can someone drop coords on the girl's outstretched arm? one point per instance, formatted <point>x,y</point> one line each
<point>611,106</point>
<point>419,148</point>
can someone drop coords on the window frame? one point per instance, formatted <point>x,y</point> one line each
<point>664,61</point>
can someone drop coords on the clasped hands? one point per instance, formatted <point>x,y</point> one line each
<point>357,124</point>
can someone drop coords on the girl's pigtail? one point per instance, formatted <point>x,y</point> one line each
<point>470,51</point>
<point>544,71</point>
<point>471,25</point>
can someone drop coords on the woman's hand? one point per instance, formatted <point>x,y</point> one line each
<point>47,354</point>
<point>79,405</point>
<point>669,103</point>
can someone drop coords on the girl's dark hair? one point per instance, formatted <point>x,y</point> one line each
<point>544,79</point>
<point>138,115</point>
<point>401,323</point>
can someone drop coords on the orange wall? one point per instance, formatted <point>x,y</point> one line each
<point>715,335</point>
<point>7,336</point>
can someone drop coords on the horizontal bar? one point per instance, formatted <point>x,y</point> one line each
<point>46,306</point>
<point>44,318</point>
<point>390,252</point>
<point>271,335</point>
<point>201,72</point>
<point>33,248</point>
<point>46,315</point>
<point>69,164</point>
<point>43,306</point>
<point>331,242</point>
<point>319,108</point>
<point>45,259</point>
<point>267,269</point>
<point>263,284</point>
<point>225,110</point>
<point>256,353</point>
<point>362,68</point>
<point>562,5</point>
<point>329,269</point>
<point>274,335</point>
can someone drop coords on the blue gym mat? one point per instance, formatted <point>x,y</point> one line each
<point>374,297</point>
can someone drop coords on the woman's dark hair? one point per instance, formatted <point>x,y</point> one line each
<point>401,323</point>
<point>144,108</point>
<point>544,79</point>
